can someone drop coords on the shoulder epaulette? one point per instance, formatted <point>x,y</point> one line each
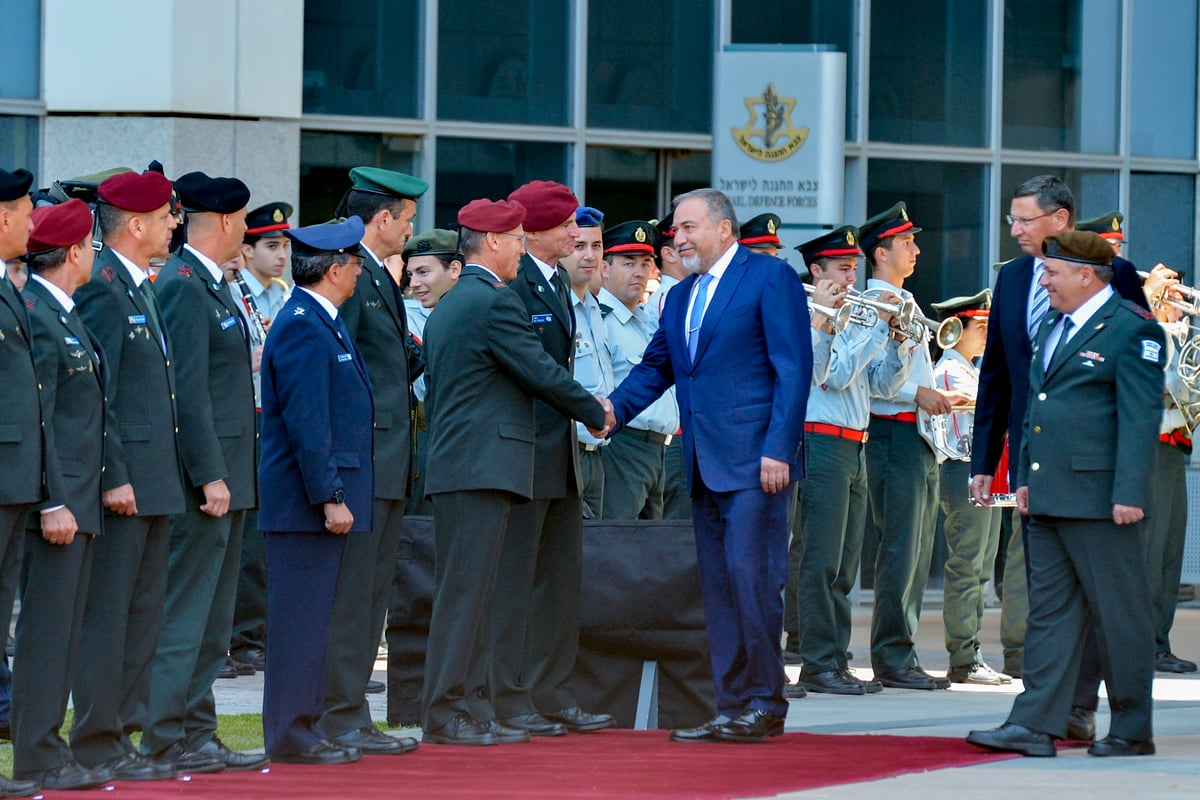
<point>108,274</point>
<point>1135,308</point>
<point>185,270</point>
<point>30,301</point>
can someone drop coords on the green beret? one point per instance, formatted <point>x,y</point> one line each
<point>384,181</point>
<point>436,242</point>
<point>1081,247</point>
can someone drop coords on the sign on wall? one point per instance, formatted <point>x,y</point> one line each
<point>779,130</point>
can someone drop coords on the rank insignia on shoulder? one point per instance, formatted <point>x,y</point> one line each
<point>1151,350</point>
<point>299,311</point>
<point>185,271</point>
<point>1141,312</point>
<point>30,302</point>
<point>108,274</point>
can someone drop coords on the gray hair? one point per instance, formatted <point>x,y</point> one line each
<point>716,204</point>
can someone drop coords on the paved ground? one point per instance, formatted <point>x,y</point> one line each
<point>1174,772</point>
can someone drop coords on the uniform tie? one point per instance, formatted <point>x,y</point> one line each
<point>697,316</point>
<point>152,305</point>
<point>1062,340</point>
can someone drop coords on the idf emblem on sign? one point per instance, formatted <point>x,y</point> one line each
<point>778,138</point>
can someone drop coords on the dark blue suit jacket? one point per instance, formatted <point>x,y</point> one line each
<point>746,395</point>
<point>1004,376</point>
<point>317,417</point>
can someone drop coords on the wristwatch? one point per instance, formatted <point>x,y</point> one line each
<point>339,497</point>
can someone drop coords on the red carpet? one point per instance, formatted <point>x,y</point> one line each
<point>637,764</point>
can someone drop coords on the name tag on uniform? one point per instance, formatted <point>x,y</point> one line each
<point>539,318</point>
<point>344,357</point>
<point>137,319</point>
<point>70,340</point>
<point>228,323</point>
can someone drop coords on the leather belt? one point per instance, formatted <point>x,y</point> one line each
<point>903,416</point>
<point>1175,438</point>
<point>663,439</point>
<point>852,434</point>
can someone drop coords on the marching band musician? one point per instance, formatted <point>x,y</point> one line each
<point>903,472</point>
<point>972,532</point>
<point>824,557</point>
<point>1167,529</point>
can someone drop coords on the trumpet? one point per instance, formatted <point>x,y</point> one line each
<point>904,311</point>
<point>838,318</point>
<point>1188,300</point>
<point>946,333</point>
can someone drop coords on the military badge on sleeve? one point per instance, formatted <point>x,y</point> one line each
<point>1150,350</point>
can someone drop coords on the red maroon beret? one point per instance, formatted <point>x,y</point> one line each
<point>548,204</point>
<point>60,226</point>
<point>139,193</point>
<point>492,216</point>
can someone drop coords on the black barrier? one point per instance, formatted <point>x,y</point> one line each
<point>641,602</point>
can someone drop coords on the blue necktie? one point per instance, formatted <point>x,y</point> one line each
<point>697,315</point>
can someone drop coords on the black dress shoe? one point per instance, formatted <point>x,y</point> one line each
<point>1013,738</point>
<point>11,788</point>
<point>228,670</point>
<point>1116,746</point>
<point>576,720</point>
<point>702,733</point>
<point>869,687</point>
<point>939,682</point>
<point>830,682</point>
<point>1169,662</point>
<point>794,691</point>
<point>507,735</point>
<point>137,767</point>
<point>1081,724</point>
<point>323,752</point>
<point>254,656</point>
<point>461,730</point>
<point>235,761</point>
<point>68,777</point>
<point>374,742</point>
<point>908,678</point>
<point>374,687</point>
<point>752,727</point>
<point>535,725</point>
<point>189,761</point>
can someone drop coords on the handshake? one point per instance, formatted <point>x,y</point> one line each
<point>610,419</point>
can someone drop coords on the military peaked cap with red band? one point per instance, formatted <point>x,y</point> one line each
<point>630,238</point>
<point>892,222</point>
<point>1108,226</point>
<point>840,243</point>
<point>760,230</point>
<point>269,220</point>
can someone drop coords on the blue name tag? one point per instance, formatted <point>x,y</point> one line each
<point>542,318</point>
<point>137,319</point>
<point>344,357</point>
<point>228,323</point>
<point>71,340</point>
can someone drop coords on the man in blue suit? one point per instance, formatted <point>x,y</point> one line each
<point>733,339</point>
<point>317,453</point>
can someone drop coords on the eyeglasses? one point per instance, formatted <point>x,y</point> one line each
<point>1024,221</point>
<point>520,236</point>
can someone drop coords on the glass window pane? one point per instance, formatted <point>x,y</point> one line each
<point>946,201</point>
<point>630,85</point>
<point>801,22</point>
<point>928,72</point>
<point>689,170</point>
<point>1161,222</point>
<point>1163,74</point>
<point>19,146</point>
<point>471,168</point>
<point>326,159</point>
<point>360,57</point>
<point>504,61</point>
<point>1055,56</point>
<point>1096,192</point>
<point>21,22</point>
<point>622,183</point>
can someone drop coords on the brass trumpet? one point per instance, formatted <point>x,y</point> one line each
<point>946,333</point>
<point>1190,305</point>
